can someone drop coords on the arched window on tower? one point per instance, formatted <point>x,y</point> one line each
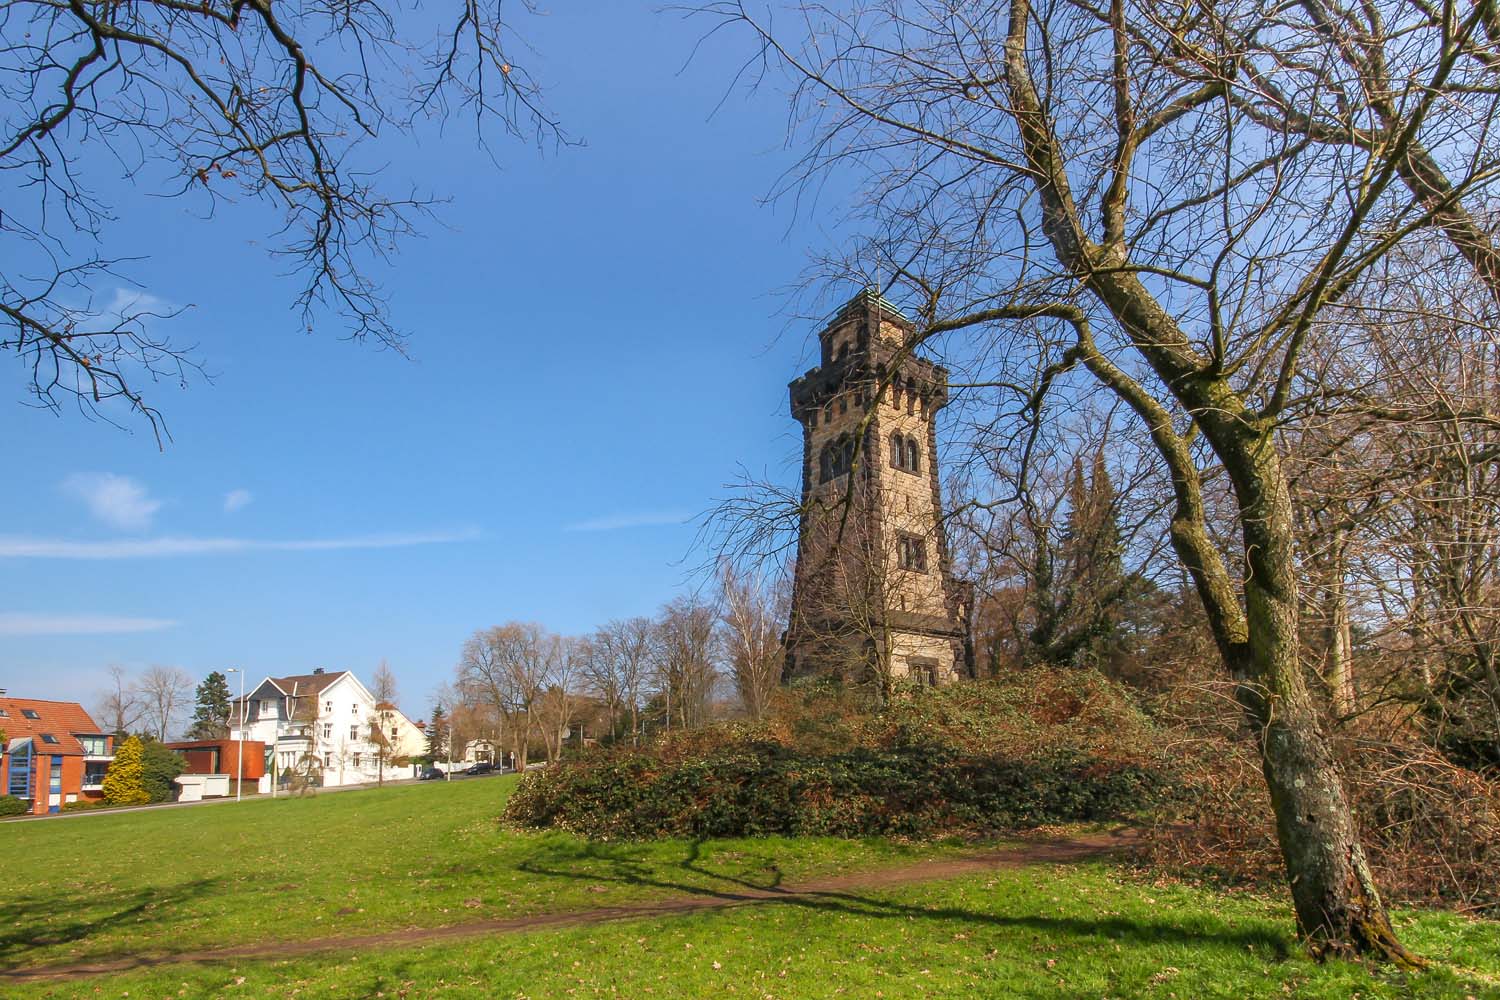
<point>913,456</point>
<point>825,464</point>
<point>898,453</point>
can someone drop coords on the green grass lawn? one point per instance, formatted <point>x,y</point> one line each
<point>354,862</point>
<point>1087,932</point>
<point>431,855</point>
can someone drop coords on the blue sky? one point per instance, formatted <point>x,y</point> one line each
<point>598,344</point>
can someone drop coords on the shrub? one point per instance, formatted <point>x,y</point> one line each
<point>160,765</point>
<point>975,758</point>
<point>11,806</point>
<point>124,782</point>
<point>1430,828</point>
<point>83,805</point>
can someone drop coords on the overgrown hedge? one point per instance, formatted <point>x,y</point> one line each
<point>11,806</point>
<point>972,759</point>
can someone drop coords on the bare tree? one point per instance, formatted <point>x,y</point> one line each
<point>212,102</point>
<point>1068,210</point>
<point>617,667</point>
<point>752,613</point>
<point>382,717</point>
<point>685,660</point>
<point>119,706</point>
<point>163,693</point>
<point>558,702</point>
<point>505,669</point>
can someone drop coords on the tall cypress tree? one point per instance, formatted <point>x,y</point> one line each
<point>211,716</point>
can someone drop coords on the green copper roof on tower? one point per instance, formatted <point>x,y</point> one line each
<point>870,296</point>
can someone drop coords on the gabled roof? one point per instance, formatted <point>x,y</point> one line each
<point>60,719</point>
<point>301,685</point>
<point>298,685</point>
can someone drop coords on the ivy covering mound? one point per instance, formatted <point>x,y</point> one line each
<point>1041,747</point>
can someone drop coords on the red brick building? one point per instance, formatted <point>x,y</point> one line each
<point>52,754</point>
<point>222,757</point>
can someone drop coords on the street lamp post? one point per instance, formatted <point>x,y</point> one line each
<point>239,777</point>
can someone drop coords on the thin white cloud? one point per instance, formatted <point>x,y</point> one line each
<point>23,547</point>
<point>236,500</point>
<point>25,623</point>
<point>133,305</point>
<point>118,501</point>
<point>617,522</point>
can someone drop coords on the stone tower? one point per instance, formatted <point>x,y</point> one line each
<point>874,597</point>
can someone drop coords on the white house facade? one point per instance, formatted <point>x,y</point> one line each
<point>321,723</point>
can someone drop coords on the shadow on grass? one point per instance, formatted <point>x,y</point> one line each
<point>42,922</point>
<point>622,865</point>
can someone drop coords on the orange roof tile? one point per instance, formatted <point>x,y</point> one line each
<point>59,718</point>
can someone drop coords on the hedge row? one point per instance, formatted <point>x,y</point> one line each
<point>758,787</point>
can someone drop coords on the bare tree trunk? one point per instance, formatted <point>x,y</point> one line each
<point>1338,663</point>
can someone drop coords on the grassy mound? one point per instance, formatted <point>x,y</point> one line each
<point>1037,748</point>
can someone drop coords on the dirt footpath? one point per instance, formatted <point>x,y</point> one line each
<point>1061,851</point>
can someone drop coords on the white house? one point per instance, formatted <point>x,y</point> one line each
<point>324,719</point>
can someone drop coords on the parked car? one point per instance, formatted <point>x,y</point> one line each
<point>483,767</point>
<point>431,774</point>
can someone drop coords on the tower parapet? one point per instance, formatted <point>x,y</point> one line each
<point>874,596</point>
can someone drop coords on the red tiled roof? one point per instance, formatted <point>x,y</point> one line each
<point>59,718</point>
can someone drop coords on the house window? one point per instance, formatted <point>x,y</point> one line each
<point>354,732</point>
<point>30,713</point>
<point>4,714</point>
<point>93,773</point>
<point>393,732</point>
<point>911,553</point>
<point>268,707</point>
<point>328,730</point>
<point>49,739</point>
<point>328,708</point>
<point>354,709</point>
<point>356,760</point>
<point>328,760</point>
<point>94,746</point>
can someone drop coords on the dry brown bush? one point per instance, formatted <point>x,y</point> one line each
<point>1430,828</point>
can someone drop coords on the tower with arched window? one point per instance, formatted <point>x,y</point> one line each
<point>874,595</point>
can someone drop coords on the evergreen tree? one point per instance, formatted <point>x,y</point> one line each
<point>124,782</point>
<point>159,765</point>
<point>437,735</point>
<point>1079,584</point>
<point>211,716</point>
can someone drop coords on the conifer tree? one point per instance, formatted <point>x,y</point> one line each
<point>437,734</point>
<point>211,716</point>
<point>125,781</point>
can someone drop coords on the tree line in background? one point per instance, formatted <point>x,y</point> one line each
<point>703,656</point>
